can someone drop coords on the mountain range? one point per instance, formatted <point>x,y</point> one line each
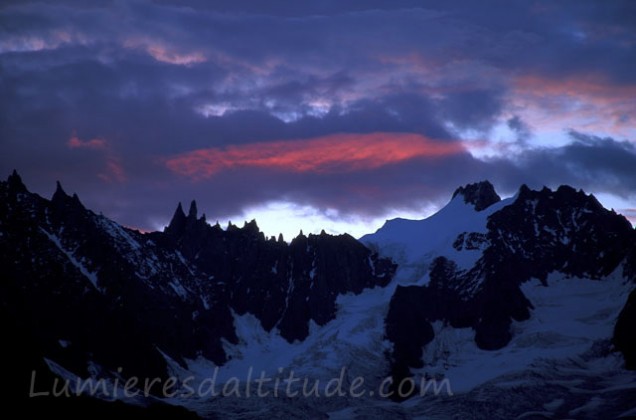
<point>526,305</point>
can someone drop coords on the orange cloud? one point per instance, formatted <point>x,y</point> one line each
<point>329,154</point>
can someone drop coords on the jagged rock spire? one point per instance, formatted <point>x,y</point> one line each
<point>178,213</point>
<point>15,183</point>
<point>177,224</point>
<point>480,194</point>
<point>76,199</point>
<point>59,193</point>
<point>251,226</point>
<point>192,213</point>
<point>61,199</point>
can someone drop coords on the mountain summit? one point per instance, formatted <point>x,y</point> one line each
<point>480,194</point>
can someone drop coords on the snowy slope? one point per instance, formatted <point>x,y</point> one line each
<point>570,316</point>
<point>413,244</point>
<point>555,368</point>
<point>354,340</point>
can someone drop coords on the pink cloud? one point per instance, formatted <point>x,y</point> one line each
<point>113,170</point>
<point>585,102</point>
<point>96,144</point>
<point>329,154</point>
<point>165,53</point>
<point>630,214</point>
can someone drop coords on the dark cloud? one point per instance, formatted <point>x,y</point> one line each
<point>590,162</point>
<point>520,128</point>
<point>594,164</point>
<point>476,109</point>
<point>153,79</point>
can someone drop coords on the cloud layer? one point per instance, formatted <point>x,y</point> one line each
<point>364,107</point>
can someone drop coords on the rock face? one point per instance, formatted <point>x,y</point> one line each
<point>480,194</point>
<point>283,285</point>
<point>624,338</point>
<point>92,292</point>
<point>538,233</point>
<point>96,297</point>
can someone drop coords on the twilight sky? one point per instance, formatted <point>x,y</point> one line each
<point>332,114</point>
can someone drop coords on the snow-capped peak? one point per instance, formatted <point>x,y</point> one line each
<point>413,244</point>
